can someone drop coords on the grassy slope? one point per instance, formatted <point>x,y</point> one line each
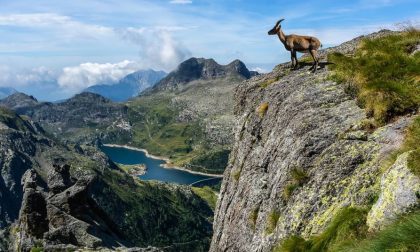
<point>207,194</point>
<point>157,128</point>
<point>384,77</point>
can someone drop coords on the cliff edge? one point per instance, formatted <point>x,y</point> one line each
<point>301,154</point>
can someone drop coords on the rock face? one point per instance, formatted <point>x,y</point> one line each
<point>129,86</point>
<point>399,193</point>
<point>300,155</point>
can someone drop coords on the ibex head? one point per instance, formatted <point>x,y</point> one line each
<point>276,28</point>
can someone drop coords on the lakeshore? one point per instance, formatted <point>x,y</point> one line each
<point>166,161</point>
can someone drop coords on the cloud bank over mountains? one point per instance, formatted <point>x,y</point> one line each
<point>156,49</point>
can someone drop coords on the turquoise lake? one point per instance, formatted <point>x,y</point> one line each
<point>154,169</point>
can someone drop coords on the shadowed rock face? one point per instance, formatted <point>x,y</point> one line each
<point>296,120</point>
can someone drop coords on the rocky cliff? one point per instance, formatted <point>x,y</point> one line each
<point>301,154</point>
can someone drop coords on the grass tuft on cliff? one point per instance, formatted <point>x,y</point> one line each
<point>272,219</point>
<point>349,224</point>
<point>299,177</point>
<point>383,75</point>
<point>403,235</point>
<point>411,143</point>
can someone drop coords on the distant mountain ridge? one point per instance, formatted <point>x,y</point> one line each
<point>129,86</point>
<point>201,69</point>
<point>6,91</point>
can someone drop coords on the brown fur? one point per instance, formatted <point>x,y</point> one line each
<point>297,43</point>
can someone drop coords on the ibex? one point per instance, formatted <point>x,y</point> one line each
<point>296,43</point>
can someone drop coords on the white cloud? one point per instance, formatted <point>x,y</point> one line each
<point>158,49</point>
<point>259,69</point>
<point>77,78</point>
<point>180,1</point>
<point>12,77</point>
<point>65,26</point>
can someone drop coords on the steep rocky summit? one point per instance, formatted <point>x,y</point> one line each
<point>201,69</point>
<point>302,154</point>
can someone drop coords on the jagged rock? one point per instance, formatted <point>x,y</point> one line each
<point>59,178</point>
<point>33,221</point>
<point>400,190</point>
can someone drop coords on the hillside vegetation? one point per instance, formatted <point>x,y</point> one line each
<point>383,75</point>
<point>192,126</point>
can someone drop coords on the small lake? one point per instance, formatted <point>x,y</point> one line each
<point>154,169</point>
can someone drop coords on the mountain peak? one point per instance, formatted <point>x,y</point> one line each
<point>88,97</point>
<point>19,100</point>
<point>202,69</point>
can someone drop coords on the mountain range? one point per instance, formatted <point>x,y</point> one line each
<point>129,86</point>
<point>187,116</point>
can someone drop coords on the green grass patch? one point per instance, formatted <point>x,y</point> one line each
<point>299,177</point>
<point>272,220</point>
<point>12,120</point>
<point>383,75</point>
<point>236,174</point>
<point>403,235</point>
<point>253,217</point>
<point>348,225</point>
<point>207,194</point>
<point>37,249</point>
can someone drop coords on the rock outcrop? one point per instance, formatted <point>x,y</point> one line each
<point>400,190</point>
<point>300,155</point>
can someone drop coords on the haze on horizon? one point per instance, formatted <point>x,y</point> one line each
<point>55,49</point>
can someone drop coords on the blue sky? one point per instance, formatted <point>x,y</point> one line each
<point>53,49</point>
